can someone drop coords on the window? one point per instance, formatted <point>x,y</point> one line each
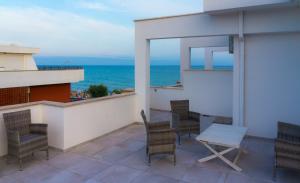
<point>197,58</point>
<point>222,60</point>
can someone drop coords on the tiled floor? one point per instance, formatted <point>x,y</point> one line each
<point>120,157</point>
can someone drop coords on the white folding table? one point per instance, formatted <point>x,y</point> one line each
<point>226,136</point>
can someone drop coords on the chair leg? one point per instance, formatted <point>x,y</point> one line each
<point>147,150</point>
<point>20,164</point>
<point>274,173</point>
<point>7,159</point>
<point>178,135</point>
<point>174,158</point>
<point>149,159</point>
<point>47,154</point>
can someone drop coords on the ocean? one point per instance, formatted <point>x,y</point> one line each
<point>116,73</point>
<point>122,76</point>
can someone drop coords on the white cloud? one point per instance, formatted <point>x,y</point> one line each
<point>62,33</point>
<point>145,8</point>
<point>149,8</point>
<point>98,6</point>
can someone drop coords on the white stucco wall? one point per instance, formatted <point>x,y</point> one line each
<point>12,61</point>
<point>215,5</point>
<point>272,86</point>
<point>209,43</point>
<point>70,124</point>
<point>88,121</point>
<point>209,92</point>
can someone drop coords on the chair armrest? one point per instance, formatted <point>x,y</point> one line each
<point>170,130</point>
<point>194,115</point>
<point>175,120</point>
<point>40,128</point>
<point>159,125</point>
<point>289,142</point>
<point>13,137</point>
<point>166,135</point>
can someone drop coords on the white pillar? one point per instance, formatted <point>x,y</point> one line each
<point>208,59</point>
<point>185,59</point>
<point>239,76</point>
<point>142,75</point>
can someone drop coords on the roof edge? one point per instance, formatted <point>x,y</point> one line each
<point>18,49</point>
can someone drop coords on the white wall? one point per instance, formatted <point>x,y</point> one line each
<point>215,5</point>
<point>54,117</point>
<point>70,124</point>
<point>209,43</point>
<point>209,92</point>
<point>32,78</point>
<point>11,61</point>
<point>88,121</point>
<point>272,86</point>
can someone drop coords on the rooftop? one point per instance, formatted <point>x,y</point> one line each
<point>18,49</point>
<point>122,153</point>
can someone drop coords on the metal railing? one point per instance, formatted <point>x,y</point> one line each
<point>54,67</point>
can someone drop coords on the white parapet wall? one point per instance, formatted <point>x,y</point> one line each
<point>209,92</point>
<point>70,124</point>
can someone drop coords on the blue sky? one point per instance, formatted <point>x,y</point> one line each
<point>86,27</point>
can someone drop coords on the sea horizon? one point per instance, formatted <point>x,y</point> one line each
<point>117,72</point>
<point>122,76</point>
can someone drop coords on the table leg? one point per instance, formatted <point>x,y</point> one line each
<point>214,156</point>
<point>231,164</point>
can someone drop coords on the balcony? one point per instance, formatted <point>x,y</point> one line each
<point>45,76</point>
<point>120,157</point>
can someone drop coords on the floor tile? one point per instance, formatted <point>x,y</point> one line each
<point>112,154</point>
<point>151,178</point>
<point>65,177</point>
<point>197,174</point>
<point>117,174</point>
<point>88,167</point>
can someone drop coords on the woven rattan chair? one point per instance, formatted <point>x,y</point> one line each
<point>183,120</point>
<point>223,120</point>
<point>161,139</point>
<point>23,137</point>
<point>287,147</point>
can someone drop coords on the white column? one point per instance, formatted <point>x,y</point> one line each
<point>239,76</point>
<point>185,59</point>
<point>208,59</point>
<point>142,75</point>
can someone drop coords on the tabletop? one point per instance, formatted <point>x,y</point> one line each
<point>223,135</point>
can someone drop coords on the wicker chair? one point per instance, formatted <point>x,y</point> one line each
<point>23,137</point>
<point>287,147</point>
<point>223,120</point>
<point>183,120</point>
<point>161,139</point>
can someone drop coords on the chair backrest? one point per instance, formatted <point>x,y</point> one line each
<point>288,129</point>
<point>18,121</point>
<point>181,107</point>
<point>223,120</point>
<point>145,121</point>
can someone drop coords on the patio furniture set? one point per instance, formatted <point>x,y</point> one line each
<point>161,137</point>
<point>25,138</point>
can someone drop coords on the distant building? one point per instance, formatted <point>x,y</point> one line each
<point>21,81</point>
